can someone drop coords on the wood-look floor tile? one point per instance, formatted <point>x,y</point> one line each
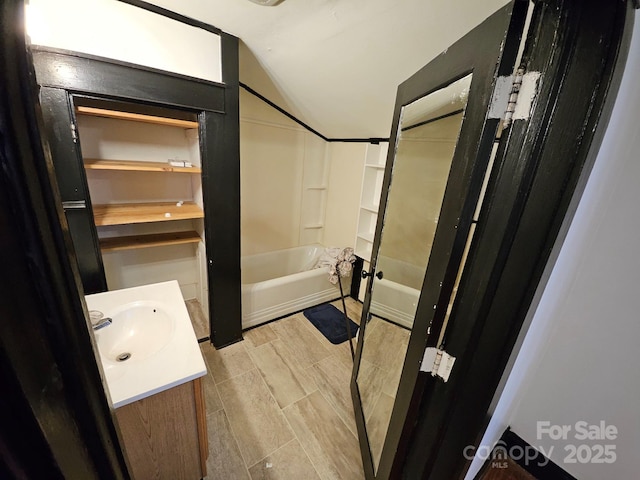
<point>343,353</point>
<point>333,378</point>
<point>395,371</point>
<point>227,362</point>
<point>259,336</point>
<point>371,383</point>
<point>282,374</point>
<point>290,462</point>
<point>198,318</point>
<point>256,420</point>
<point>331,446</point>
<point>385,345</point>
<point>354,308</point>
<point>300,339</point>
<point>224,461</point>
<point>211,397</point>
<point>378,424</point>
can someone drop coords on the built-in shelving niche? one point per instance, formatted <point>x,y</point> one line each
<point>148,212</point>
<point>373,175</point>
<point>374,165</point>
<point>314,190</point>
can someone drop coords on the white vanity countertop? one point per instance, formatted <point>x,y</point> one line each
<point>161,357</point>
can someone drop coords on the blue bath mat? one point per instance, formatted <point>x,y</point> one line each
<point>331,323</point>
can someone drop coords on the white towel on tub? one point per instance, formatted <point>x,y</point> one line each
<point>338,260</point>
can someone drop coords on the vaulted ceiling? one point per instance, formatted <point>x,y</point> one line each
<point>336,64</point>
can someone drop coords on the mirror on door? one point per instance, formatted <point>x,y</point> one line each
<point>425,144</point>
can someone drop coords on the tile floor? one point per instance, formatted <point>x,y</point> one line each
<point>198,320</point>
<point>279,405</point>
<point>385,345</point>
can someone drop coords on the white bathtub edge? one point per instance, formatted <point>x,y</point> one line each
<point>403,319</point>
<point>264,315</point>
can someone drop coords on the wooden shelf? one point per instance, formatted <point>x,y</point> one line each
<point>114,244</point>
<point>135,117</point>
<point>374,165</point>
<point>125,213</point>
<point>136,166</point>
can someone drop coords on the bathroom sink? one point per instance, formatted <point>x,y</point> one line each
<point>150,345</point>
<point>138,330</point>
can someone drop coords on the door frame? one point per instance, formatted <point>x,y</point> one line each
<point>55,420</point>
<point>484,53</point>
<point>217,108</point>
<point>580,49</point>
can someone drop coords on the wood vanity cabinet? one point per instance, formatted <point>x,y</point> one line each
<point>165,435</point>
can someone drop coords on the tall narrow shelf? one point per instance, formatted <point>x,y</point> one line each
<point>126,213</point>
<point>372,178</point>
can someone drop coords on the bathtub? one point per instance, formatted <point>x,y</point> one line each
<point>395,296</point>
<point>395,302</point>
<point>279,283</point>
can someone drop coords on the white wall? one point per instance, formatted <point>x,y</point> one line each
<point>283,180</point>
<point>296,189</point>
<point>343,202</point>
<point>113,29</point>
<point>579,361</point>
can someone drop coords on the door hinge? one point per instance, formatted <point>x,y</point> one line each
<point>437,362</point>
<point>513,96</point>
<point>74,133</point>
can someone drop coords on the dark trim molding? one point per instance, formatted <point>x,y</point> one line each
<point>307,127</point>
<point>76,72</point>
<point>374,140</point>
<point>216,105</point>
<point>221,190</point>
<point>173,15</point>
<point>282,111</point>
<point>431,120</point>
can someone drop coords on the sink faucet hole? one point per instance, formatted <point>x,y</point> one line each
<point>123,356</point>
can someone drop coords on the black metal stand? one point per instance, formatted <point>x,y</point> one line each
<point>346,317</point>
